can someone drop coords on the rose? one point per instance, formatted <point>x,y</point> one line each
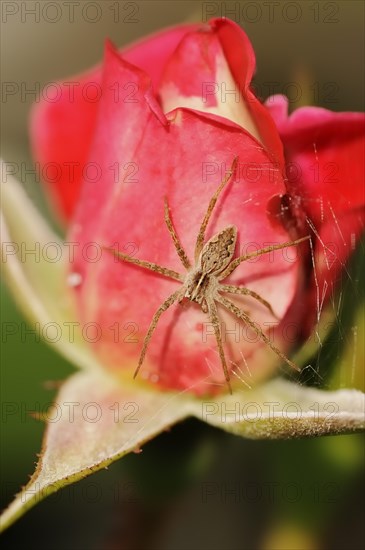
<point>197,141</point>
<point>123,202</point>
<point>171,133</point>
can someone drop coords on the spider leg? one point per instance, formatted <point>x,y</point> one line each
<point>178,246</point>
<point>246,319</point>
<point>201,235</point>
<point>147,265</point>
<point>231,289</point>
<point>235,263</point>
<point>213,317</point>
<point>163,307</point>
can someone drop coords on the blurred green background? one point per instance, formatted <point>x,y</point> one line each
<point>194,486</point>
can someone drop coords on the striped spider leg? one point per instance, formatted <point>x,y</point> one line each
<point>213,262</point>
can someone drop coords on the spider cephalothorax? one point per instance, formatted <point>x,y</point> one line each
<point>202,281</point>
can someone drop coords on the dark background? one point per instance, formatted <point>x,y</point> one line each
<point>194,486</point>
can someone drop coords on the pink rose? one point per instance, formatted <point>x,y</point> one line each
<point>152,133</point>
<point>166,118</point>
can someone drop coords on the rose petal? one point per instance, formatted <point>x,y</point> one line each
<point>241,60</point>
<point>220,61</point>
<point>327,151</point>
<point>152,52</point>
<point>119,134</point>
<point>210,87</point>
<point>61,135</point>
<point>325,163</point>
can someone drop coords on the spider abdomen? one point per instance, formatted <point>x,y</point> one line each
<point>218,251</point>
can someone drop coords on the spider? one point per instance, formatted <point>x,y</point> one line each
<point>213,262</point>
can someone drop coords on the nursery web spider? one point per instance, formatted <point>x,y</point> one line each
<point>213,262</point>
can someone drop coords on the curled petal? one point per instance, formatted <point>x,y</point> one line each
<point>325,154</point>
<point>211,87</point>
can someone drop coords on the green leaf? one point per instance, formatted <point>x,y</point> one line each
<point>282,409</point>
<point>37,282</point>
<point>93,422</point>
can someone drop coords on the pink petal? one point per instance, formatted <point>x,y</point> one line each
<point>327,150</point>
<point>152,53</point>
<point>210,86</point>
<point>325,166</point>
<point>114,145</point>
<point>219,61</point>
<point>241,60</point>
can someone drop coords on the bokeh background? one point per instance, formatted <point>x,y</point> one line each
<point>194,486</point>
